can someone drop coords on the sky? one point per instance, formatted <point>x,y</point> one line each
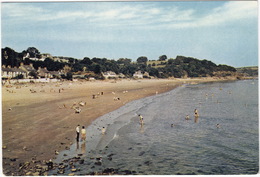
<point>225,32</point>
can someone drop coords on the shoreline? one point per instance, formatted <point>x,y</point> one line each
<point>24,137</point>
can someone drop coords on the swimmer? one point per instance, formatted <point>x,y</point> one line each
<point>172,125</point>
<point>196,113</point>
<point>218,126</point>
<point>141,119</point>
<point>187,117</point>
<point>103,130</point>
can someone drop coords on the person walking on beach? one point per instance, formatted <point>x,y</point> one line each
<point>77,132</point>
<point>83,134</point>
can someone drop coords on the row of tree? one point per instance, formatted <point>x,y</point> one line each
<point>179,67</point>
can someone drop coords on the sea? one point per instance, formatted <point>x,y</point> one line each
<point>223,140</point>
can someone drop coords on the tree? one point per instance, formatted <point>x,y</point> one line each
<point>142,60</point>
<point>163,58</point>
<point>33,52</point>
<point>86,61</point>
<point>69,76</point>
<point>124,61</point>
<point>10,57</point>
<point>33,74</point>
<point>97,69</point>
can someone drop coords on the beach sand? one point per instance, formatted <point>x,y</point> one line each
<point>34,125</point>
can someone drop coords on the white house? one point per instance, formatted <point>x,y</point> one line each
<point>109,74</point>
<point>138,75</point>
<point>8,72</point>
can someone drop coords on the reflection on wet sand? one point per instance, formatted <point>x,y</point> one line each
<point>196,120</point>
<point>83,147</point>
<point>142,129</point>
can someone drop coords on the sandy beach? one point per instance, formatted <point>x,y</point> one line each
<point>39,119</point>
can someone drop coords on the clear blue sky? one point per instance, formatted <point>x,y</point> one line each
<point>224,32</point>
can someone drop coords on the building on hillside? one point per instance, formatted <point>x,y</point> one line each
<point>27,55</point>
<point>146,75</point>
<point>66,69</point>
<point>121,75</point>
<point>109,75</point>
<point>56,74</point>
<point>138,75</point>
<point>44,73</point>
<point>46,55</point>
<point>28,69</point>
<point>9,73</point>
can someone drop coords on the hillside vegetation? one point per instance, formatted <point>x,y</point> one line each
<point>179,67</point>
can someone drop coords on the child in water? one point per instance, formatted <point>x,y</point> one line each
<point>141,119</point>
<point>103,130</point>
<point>196,113</point>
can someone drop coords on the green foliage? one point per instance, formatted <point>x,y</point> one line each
<point>10,57</point>
<point>142,60</point>
<point>163,58</point>
<point>180,67</point>
<point>33,52</point>
<point>33,74</point>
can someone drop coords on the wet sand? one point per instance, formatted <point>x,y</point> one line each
<point>38,119</point>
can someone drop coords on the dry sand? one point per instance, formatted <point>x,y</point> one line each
<point>34,125</point>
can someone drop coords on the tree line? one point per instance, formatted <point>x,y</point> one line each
<point>179,67</point>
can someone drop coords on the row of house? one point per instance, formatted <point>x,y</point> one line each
<point>25,71</point>
<point>136,75</point>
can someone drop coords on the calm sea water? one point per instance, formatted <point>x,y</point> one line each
<point>194,146</point>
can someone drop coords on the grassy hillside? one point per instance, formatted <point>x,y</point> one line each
<point>248,71</point>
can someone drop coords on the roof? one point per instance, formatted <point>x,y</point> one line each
<point>43,70</point>
<point>12,69</point>
<point>28,68</point>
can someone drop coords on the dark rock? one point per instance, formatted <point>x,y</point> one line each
<point>13,159</point>
<point>148,163</point>
<point>141,153</point>
<point>98,158</point>
<point>127,172</point>
<point>109,170</point>
<point>98,163</point>
<point>81,161</point>
<point>110,155</point>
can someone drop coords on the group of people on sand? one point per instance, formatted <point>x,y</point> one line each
<point>83,133</point>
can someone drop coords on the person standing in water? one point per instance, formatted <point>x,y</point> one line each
<point>77,133</point>
<point>196,113</point>
<point>83,133</point>
<point>141,119</point>
<point>103,130</point>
